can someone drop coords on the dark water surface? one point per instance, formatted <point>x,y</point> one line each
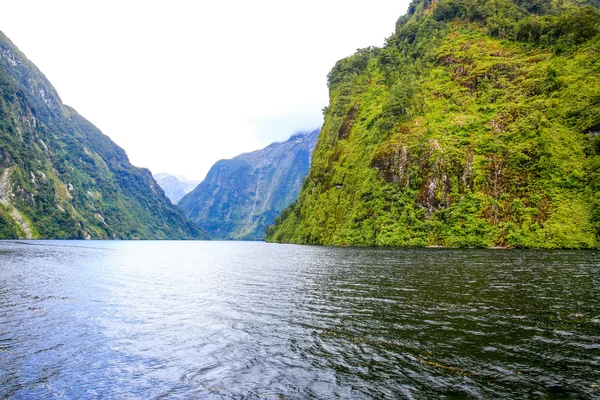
<point>235,320</point>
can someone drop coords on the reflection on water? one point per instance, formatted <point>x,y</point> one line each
<point>252,320</point>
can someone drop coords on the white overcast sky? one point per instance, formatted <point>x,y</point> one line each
<point>180,84</point>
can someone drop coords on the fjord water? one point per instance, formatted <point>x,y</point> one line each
<point>246,320</point>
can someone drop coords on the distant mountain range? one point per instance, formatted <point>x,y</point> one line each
<point>243,195</point>
<point>175,187</point>
<point>61,178</point>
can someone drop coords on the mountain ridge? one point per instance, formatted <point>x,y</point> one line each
<point>175,186</point>
<point>241,196</point>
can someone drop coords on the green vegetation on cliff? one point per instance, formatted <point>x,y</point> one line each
<point>477,124</point>
<point>61,178</point>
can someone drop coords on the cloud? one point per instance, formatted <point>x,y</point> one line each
<point>280,127</point>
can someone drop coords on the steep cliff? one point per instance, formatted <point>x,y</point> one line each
<point>175,187</point>
<point>477,124</point>
<point>241,196</point>
<point>60,177</point>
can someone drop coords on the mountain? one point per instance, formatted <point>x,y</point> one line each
<point>175,187</point>
<point>61,178</point>
<point>476,125</point>
<point>241,196</point>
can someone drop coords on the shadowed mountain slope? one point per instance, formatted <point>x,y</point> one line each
<point>241,196</point>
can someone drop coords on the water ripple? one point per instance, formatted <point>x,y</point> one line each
<point>222,320</point>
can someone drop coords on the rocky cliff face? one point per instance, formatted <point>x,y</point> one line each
<point>475,125</point>
<point>175,187</point>
<point>60,177</point>
<point>241,196</point>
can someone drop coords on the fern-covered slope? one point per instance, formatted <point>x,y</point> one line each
<point>60,177</point>
<point>478,124</point>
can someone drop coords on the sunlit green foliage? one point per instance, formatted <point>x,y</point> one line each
<point>476,125</point>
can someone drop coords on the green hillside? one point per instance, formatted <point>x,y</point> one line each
<point>477,124</point>
<point>61,178</point>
